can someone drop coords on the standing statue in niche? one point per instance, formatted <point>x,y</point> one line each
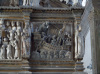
<point>78,43</point>
<point>14,2</point>
<point>26,39</point>
<point>79,47</point>
<point>81,51</point>
<point>9,51</point>
<point>3,49</point>
<point>76,38</point>
<point>26,2</point>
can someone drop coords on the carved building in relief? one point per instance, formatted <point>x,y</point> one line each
<point>43,38</point>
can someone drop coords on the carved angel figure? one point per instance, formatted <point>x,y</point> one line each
<point>79,53</point>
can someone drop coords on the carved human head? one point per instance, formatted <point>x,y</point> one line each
<point>8,23</point>
<point>12,23</point>
<point>80,28</point>
<point>5,39</point>
<point>26,24</point>
<point>18,24</point>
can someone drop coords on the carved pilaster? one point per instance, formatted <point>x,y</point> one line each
<point>95,36</point>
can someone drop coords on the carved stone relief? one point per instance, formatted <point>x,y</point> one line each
<point>52,42</point>
<point>15,36</point>
<point>79,51</point>
<point>14,2</point>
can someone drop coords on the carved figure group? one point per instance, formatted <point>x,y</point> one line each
<point>26,39</point>
<point>11,41</point>
<point>62,38</point>
<point>55,40</point>
<point>61,54</point>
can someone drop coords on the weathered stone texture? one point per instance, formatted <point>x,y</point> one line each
<point>4,2</point>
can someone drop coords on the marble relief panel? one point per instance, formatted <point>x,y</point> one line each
<point>52,41</point>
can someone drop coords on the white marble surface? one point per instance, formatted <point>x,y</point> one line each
<point>36,3</point>
<point>87,57</point>
<point>75,1</point>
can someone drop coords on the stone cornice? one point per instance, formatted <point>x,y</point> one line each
<point>40,8</point>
